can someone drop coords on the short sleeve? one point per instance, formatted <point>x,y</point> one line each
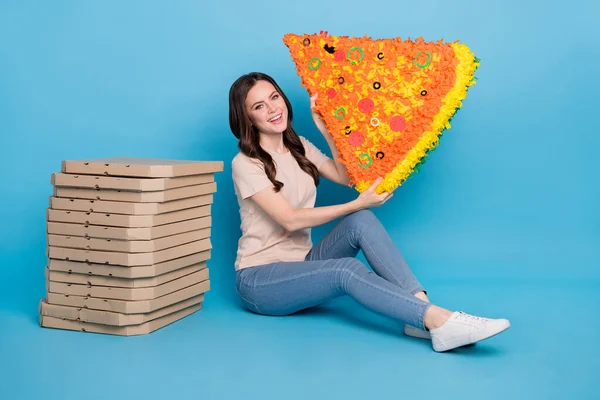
<point>313,153</point>
<point>249,176</point>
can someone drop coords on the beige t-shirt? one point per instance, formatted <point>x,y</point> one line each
<point>263,240</point>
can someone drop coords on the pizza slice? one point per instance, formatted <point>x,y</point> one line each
<point>385,102</point>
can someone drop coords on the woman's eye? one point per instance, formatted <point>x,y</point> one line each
<point>276,96</point>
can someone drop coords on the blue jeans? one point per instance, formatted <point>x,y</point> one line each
<point>331,270</point>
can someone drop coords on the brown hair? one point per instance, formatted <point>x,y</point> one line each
<point>248,136</point>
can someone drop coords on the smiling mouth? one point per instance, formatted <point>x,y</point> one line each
<point>276,119</point>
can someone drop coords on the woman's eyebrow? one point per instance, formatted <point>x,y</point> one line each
<point>275,91</point>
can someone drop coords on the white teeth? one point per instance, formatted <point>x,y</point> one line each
<point>275,119</point>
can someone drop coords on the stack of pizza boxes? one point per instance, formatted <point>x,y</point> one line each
<point>128,244</point>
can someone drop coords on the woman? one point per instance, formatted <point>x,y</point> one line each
<point>278,270</point>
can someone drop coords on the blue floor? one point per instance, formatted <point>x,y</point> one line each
<point>337,351</point>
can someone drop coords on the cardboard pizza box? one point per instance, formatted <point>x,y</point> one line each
<point>137,197</point>
<point>128,307</point>
<point>98,280</point>
<point>129,259</point>
<point>142,329</point>
<point>107,232</point>
<point>126,221</point>
<point>129,273</point>
<point>127,246</point>
<point>119,207</point>
<point>128,184</point>
<point>112,318</point>
<point>117,293</point>
<point>140,167</point>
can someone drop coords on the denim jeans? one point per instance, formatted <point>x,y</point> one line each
<point>331,269</point>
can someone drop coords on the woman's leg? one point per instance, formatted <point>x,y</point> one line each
<point>363,231</point>
<point>287,287</point>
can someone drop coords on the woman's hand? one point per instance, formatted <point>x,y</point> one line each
<point>316,116</point>
<point>292,219</point>
<point>369,198</point>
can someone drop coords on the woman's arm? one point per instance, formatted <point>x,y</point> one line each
<point>292,219</point>
<point>332,169</point>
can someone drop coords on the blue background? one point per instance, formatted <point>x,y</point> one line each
<point>503,220</point>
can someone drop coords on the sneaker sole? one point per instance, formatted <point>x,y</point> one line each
<point>411,331</point>
<point>493,334</point>
<point>476,341</point>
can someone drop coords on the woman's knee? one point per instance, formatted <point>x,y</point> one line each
<point>362,220</point>
<point>352,268</point>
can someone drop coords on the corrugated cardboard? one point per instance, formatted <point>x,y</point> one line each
<point>129,259</point>
<point>116,293</point>
<point>106,232</point>
<point>127,246</point>
<point>96,280</point>
<point>118,271</point>
<point>142,329</point>
<point>126,221</point>
<point>137,197</point>
<point>141,167</point>
<point>128,184</point>
<point>128,307</point>
<point>112,318</point>
<point>119,207</point>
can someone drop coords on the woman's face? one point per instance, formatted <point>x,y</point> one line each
<point>266,108</point>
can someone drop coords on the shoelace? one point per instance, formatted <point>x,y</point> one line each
<point>471,318</point>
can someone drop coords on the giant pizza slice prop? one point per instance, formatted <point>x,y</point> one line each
<point>385,102</point>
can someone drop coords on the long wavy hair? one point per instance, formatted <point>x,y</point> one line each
<point>248,136</point>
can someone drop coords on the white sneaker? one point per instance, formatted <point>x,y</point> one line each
<point>410,330</point>
<point>463,329</point>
